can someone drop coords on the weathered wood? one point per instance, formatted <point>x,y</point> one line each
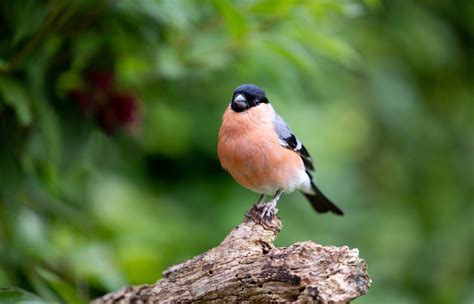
<point>247,267</point>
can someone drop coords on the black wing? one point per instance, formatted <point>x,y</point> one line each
<point>290,141</point>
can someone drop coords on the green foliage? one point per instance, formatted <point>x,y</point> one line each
<point>17,295</point>
<point>109,113</point>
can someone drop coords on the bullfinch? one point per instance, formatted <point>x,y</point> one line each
<point>256,146</point>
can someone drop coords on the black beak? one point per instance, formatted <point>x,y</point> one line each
<point>239,103</point>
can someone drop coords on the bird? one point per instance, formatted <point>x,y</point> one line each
<point>259,150</point>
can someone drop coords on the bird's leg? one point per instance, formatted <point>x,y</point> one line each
<point>261,199</point>
<point>270,207</point>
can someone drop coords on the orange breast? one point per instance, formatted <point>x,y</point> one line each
<point>249,148</point>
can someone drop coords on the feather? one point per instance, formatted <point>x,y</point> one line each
<point>290,141</point>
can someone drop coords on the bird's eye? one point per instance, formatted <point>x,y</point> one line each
<point>257,101</point>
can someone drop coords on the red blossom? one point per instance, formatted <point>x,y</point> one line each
<point>102,80</point>
<point>108,106</point>
<point>126,107</point>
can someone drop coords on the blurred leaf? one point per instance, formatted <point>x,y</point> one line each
<point>278,8</point>
<point>84,48</point>
<point>169,64</point>
<point>290,49</point>
<point>168,129</point>
<point>27,18</point>
<point>48,122</point>
<point>96,263</point>
<point>64,290</point>
<point>15,95</point>
<point>374,4</point>
<point>14,295</point>
<point>233,16</point>
<point>209,52</point>
<point>68,82</point>
<point>31,232</point>
<point>3,65</point>
<point>133,69</point>
<point>333,48</point>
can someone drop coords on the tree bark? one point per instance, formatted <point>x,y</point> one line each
<point>247,267</point>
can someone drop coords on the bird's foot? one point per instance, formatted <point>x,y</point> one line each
<point>269,210</point>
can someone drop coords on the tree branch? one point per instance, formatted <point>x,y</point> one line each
<point>246,266</point>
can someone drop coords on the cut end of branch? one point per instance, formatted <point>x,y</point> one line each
<point>269,222</point>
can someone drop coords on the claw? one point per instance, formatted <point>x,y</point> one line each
<point>269,210</point>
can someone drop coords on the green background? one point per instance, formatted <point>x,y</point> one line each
<point>380,92</point>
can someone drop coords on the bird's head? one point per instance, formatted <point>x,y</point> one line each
<point>247,96</point>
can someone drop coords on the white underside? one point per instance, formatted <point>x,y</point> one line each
<point>300,182</point>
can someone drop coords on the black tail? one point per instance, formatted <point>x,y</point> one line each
<point>321,203</point>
